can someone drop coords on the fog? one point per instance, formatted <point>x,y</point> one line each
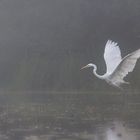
<point>43,92</point>
<point>43,44</point>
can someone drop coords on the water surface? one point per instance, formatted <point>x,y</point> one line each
<point>70,116</point>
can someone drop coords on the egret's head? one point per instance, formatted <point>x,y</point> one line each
<point>87,66</point>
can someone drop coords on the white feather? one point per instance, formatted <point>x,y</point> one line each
<point>126,65</point>
<point>112,56</point>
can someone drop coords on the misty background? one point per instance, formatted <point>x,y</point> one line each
<point>44,43</point>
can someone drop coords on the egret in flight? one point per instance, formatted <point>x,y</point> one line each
<point>116,66</point>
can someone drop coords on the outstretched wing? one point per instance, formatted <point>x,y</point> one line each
<point>112,56</point>
<point>126,65</point>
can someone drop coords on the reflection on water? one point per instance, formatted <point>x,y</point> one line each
<point>82,116</point>
<point>118,131</point>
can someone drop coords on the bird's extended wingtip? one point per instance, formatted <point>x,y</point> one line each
<point>111,42</point>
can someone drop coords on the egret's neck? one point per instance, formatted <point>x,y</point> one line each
<point>95,72</point>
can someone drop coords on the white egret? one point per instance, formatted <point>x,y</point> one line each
<point>117,68</point>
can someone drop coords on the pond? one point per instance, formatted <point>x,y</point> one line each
<point>70,116</point>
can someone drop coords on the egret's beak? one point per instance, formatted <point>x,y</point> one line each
<point>84,67</point>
